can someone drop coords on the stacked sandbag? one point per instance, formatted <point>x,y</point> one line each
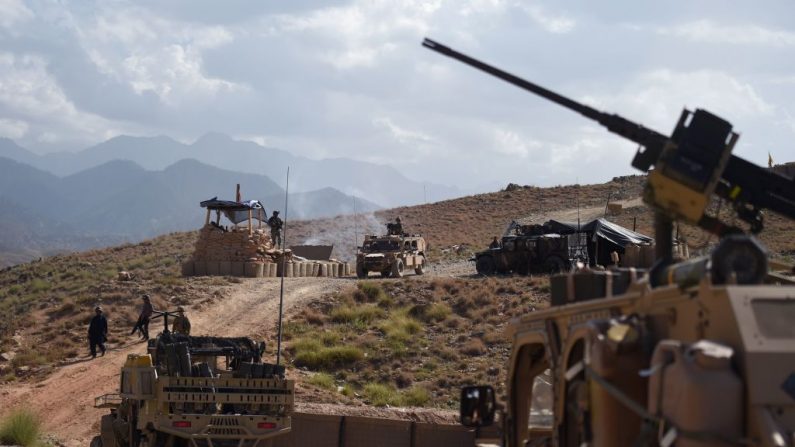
<point>235,252</point>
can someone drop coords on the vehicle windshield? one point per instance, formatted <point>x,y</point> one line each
<point>381,246</point>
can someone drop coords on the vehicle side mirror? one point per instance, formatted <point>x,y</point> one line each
<point>478,406</point>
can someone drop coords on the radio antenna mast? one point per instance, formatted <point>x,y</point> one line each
<point>284,265</point>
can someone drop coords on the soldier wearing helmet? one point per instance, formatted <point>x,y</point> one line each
<point>276,225</point>
<point>181,323</point>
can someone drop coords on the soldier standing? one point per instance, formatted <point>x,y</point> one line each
<point>181,323</point>
<point>97,332</point>
<point>276,229</point>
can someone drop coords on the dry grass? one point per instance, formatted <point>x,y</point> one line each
<point>433,337</point>
<point>50,302</point>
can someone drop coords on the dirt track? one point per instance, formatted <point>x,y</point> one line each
<point>64,400</point>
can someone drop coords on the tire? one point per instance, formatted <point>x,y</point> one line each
<point>554,265</point>
<point>397,268</point>
<point>96,441</point>
<point>419,269</point>
<point>485,265</point>
<point>361,272</point>
<point>386,273</point>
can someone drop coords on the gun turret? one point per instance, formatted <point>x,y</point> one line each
<point>690,166</point>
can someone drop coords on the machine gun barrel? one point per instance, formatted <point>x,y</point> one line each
<point>745,181</point>
<point>614,123</point>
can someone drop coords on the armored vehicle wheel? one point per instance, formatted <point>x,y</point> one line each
<point>96,442</point>
<point>386,273</point>
<point>361,272</point>
<point>485,265</point>
<point>397,269</point>
<point>554,264</point>
<point>419,269</point>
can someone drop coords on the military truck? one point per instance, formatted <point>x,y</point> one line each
<point>692,353</point>
<point>196,391</point>
<point>528,249</point>
<point>391,254</point>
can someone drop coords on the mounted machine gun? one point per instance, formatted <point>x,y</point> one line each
<point>694,353</point>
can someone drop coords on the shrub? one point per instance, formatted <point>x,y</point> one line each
<point>438,312</point>
<point>322,380</point>
<point>365,313</point>
<point>416,396</point>
<point>372,291</point>
<point>400,326</point>
<point>21,427</point>
<point>329,358</point>
<point>474,347</point>
<point>381,395</point>
<point>39,285</point>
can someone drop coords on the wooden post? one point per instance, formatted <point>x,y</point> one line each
<point>249,221</point>
<point>218,217</point>
<point>207,219</point>
<point>237,193</point>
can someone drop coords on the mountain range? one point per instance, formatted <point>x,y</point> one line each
<point>380,184</point>
<point>120,201</point>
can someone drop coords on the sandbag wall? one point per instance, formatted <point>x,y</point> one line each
<point>355,431</point>
<point>237,252</point>
<point>256,269</point>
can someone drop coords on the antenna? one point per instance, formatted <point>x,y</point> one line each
<point>284,265</point>
<point>607,205</point>
<point>355,226</point>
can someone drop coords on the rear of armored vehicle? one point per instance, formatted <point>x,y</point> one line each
<point>709,365</point>
<point>198,391</point>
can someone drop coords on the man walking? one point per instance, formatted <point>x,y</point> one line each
<point>97,332</point>
<point>276,229</point>
<point>143,319</point>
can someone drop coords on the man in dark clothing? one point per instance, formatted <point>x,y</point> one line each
<point>143,319</point>
<point>97,332</point>
<point>276,225</point>
<point>494,243</point>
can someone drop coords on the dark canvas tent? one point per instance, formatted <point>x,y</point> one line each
<point>603,237</point>
<point>237,212</point>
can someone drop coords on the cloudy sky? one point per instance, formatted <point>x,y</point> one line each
<point>349,79</point>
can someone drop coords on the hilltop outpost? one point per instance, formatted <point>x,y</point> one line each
<point>247,251</point>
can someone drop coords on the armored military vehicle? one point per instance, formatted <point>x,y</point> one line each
<point>694,353</point>
<point>391,254</point>
<point>196,391</point>
<point>535,248</point>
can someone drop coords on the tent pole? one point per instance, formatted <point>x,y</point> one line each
<point>207,219</point>
<point>249,221</point>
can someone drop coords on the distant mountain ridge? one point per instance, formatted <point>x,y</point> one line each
<point>380,184</point>
<point>120,201</point>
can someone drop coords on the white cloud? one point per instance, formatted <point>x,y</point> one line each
<point>747,34</point>
<point>656,97</point>
<point>13,12</point>
<point>509,142</point>
<point>14,129</point>
<point>361,33</point>
<point>402,135</point>
<point>32,93</point>
<point>557,24</point>
<point>152,54</point>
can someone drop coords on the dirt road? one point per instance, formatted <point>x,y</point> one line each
<point>65,399</point>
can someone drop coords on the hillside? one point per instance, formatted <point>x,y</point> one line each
<point>374,182</point>
<point>46,214</point>
<point>408,342</point>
